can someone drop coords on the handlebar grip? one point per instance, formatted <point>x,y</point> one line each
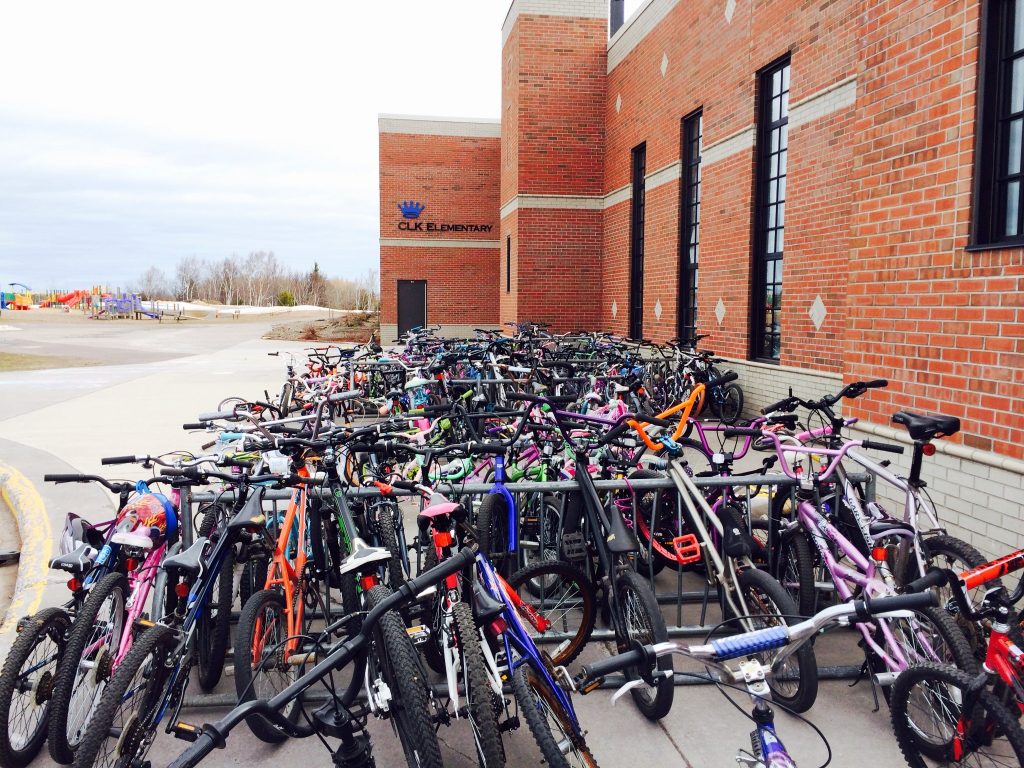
<point>750,642</point>
<point>876,446</point>
<point>869,607</point>
<point>187,472</point>
<point>934,578</point>
<point>229,462</point>
<point>431,409</point>
<point>195,752</point>
<point>786,404</point>
<point>615,431</point>
<point>602,667</point>
<point>194,425</point>
<point>404,485</point>
<point>117,460</point>
<point>876,383</point>
<point>730,376</point>
<point>552,399</point>
<point>647,418</point>
<point>215,415</point>
<point>65,478</point>
<point>741,432</point>
<point>348,394</point>
<point>496,449</point>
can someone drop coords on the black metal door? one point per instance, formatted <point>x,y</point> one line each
<point>412,304</point>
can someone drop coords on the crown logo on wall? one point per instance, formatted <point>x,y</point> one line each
<point>410,209</point>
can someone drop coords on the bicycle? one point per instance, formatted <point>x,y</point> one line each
<point>753,674</point>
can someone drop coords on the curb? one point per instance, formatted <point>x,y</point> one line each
<point>36,534</point>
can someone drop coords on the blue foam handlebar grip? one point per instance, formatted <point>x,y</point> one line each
<point>753,642</point>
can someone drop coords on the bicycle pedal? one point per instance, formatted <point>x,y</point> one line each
<point>884,679</point>
<point>418,633</point>
<point>141,625</point>
<point>186,731</point>
<point>511,724</point>
<point>687,549</point>
<point>574,546</point>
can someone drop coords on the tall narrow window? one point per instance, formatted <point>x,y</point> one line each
<point>693,130</point>
<point>636,245</point>
<point>998,215</point>
<point>770,213</point>
<point>508,263</point>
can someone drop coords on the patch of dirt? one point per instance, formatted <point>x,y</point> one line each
<point>351,327</point>
<point>12,361</point>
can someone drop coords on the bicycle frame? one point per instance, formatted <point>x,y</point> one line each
<point>283,573</point>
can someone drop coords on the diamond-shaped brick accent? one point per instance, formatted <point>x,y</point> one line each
<point>664,64</point>
<point>730,9</point>
<point>720,311</point>
<point>615,310</point>
<point>817,312</point>
<point>657,309</point>
<point>618,103</point>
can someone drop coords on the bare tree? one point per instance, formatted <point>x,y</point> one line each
<point>188,276</point>
<point>153,284</point>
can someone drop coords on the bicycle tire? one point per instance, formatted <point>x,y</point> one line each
<point>481,701</point>
<point>389,540</point>
<point>410,701</point>
<point>774,599</point>
<point>16,690</point>
<point>637,600</point>
<point>492,527</point>
<point>66,733</point>
<point>159,642</point>
<point>252,580</point>
<point>539,709</point>
<point>794,570</point>
<point>729,407</point>
<point>246,686</point>
<point>538,534</point>
<point>214,629</point>
<point>988,718</point>
<point>957,555</point>
<point>561,574</point>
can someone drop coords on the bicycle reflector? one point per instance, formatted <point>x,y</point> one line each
<point>74,584</point>
<point>687,548</point>
<point>928,449</point>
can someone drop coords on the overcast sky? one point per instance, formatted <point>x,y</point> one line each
<point>135,133</point>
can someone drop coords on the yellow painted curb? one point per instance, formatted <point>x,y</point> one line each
<point>36,534</point>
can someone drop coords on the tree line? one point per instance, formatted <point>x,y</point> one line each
<point>258,279</point>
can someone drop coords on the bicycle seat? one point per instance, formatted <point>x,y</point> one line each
<point>882,527</point>
<point>621,538</point>
<point>363,556</point>
<point>190,561</point>
<point>251,512</point>
<point>485,608</point>
<point>926,427</point>
<point>78,561</point>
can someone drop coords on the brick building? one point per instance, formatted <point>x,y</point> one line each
<point>831,190</point>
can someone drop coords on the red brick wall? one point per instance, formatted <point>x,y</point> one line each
<point>553,144</point>
<point>456,178</point>
<point>944,325</point>
<point>715,70</point>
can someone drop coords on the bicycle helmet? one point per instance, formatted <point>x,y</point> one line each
<point>146,521</point>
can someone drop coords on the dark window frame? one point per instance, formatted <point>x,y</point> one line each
<point>508,263</point>
<point>637,213</point>
<point>769,209</point>
<point>691,139</point>
<point>992,178</point>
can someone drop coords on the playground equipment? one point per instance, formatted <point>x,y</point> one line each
<point>14,300</point>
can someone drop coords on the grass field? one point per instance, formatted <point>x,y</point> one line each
<point>13,361</point>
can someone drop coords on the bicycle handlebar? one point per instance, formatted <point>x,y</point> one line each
<point>117,460</point>
<point>216,415</point>
<point>195,425</point>
<point>114,487</point>
<point>874,445</point>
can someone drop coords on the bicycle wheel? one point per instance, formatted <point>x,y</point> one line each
<point>214,626</point>
<point>562,595</point>
<point>932,636</point>
<point>794,569</point>
<point>645,624</point>
<point>26,685</point>
<point>92,646</point>
<point>492,527</point>
<point>941,716</point>
<point>481,701</point>
<point>261,661</point>
<point>387,530</point>
<point>727,402</point>
<point>121,729</point>
<point>548,723</point>
<point>253,579</point>
<point>956,555</point>
<point>394,661</point>
<point>795,682</point>
<point>541,524</point>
